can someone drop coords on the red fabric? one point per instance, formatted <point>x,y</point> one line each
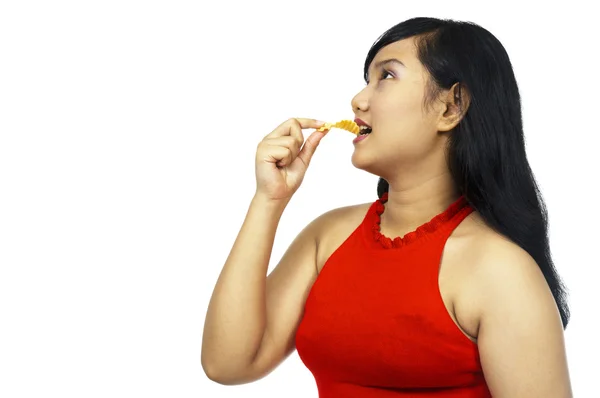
<point>374,323</point>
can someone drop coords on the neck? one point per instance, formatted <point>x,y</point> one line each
<point>409,207</point>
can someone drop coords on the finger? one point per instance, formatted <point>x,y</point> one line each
<point>290,129</point>
<point>300,123</point>
<point>280,155</point>
<point>309,123</point>
<point>286,141</point>
<point>296,133</point>
<point>310,146</point>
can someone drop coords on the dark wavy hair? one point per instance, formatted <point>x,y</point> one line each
<point>486,150</point>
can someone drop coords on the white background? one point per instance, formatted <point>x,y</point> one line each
<point>128,132</point>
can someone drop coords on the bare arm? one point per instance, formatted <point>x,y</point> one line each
<point>520,338</point>
<point>236,316</point>
<point>251,318</point>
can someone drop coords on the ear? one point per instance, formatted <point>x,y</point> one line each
<point>456,102</point>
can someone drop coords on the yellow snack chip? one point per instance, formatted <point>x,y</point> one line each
<point>348,125</point>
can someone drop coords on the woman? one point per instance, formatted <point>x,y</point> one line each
<point>444,286</point>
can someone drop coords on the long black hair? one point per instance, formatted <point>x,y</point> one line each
<point>486,150</point>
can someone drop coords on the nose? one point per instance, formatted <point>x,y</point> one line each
<point>360,102</point>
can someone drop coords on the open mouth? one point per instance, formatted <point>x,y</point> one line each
<point>365,130</point>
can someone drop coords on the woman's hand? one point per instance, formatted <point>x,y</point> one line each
<point>282,159</point>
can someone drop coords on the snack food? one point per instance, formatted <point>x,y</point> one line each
<point>347,125</point>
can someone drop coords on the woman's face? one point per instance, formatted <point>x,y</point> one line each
<point>404,133</point>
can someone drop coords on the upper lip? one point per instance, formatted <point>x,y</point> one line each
<point>361,122</point>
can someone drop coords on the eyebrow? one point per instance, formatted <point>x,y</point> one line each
<point>385,62</point>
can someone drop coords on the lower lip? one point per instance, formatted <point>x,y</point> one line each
<point>360,138</point>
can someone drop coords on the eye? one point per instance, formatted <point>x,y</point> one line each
<point>384,74</point>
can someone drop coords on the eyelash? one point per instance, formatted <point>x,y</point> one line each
<point>383,74</point>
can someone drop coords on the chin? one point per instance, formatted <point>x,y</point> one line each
<point>371,163</point>
<point>362,162</point>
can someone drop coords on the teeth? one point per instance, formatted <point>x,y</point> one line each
<point>365,130</point>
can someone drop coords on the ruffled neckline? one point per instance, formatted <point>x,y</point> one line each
<point>429,227</point>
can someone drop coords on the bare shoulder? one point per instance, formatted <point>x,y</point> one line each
<point>495,261</point>
<point>478,261</point>
<point>341,217</point>
<point>520,334</point>
<point>492,260</point>
<point>497,272</point>
<point>334,227</point>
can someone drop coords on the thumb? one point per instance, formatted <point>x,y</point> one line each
<point>310,146</point>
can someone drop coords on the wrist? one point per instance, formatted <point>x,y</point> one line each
<point>264,201</point>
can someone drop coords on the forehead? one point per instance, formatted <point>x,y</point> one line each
<point>402,50</point>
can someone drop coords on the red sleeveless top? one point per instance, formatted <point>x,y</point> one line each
<point>374,323</point>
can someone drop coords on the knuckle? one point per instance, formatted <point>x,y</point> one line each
<point>296,145</point>
<point>288,141</point>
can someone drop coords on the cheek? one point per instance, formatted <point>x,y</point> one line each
<point>401,124</point>
<point>395,104</point>
<point>398,115</point>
